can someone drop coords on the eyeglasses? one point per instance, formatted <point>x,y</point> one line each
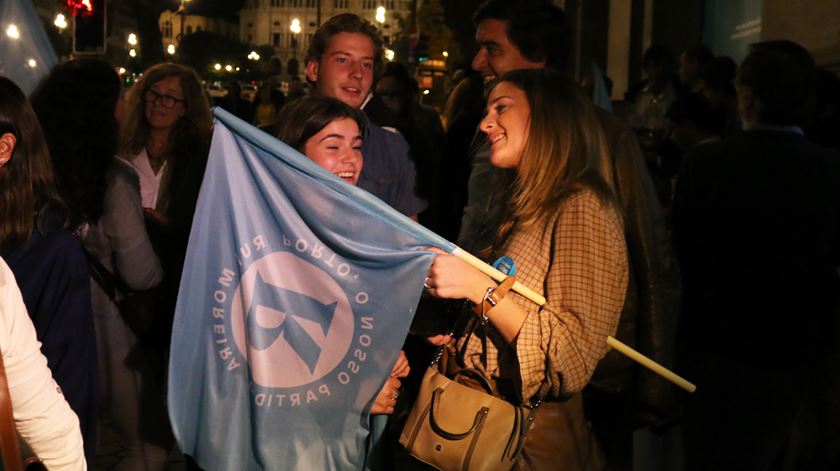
<point>166,101</point>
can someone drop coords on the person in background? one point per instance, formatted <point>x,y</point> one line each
<point>424,132</point>
<point>463,111</point>
<point>43,418</point>
<point>719,90</point>
<point>757,227</point>
<point>565,232</point>
<point>166,137</point>
<point>693,64</point>
<point>267,106</point>
<point>76,105</point>
<point>329,132</point>
<point>652,97</point>
<point>693,121</point>
<point>46,258</point>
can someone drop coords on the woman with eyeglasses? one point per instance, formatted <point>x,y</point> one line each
<point>165,134</point>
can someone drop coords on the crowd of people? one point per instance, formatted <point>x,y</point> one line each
<point>698,220</point>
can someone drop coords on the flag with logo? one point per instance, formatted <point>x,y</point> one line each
<point>296,296</point>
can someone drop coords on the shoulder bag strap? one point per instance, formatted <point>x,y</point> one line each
<point>8,432</point>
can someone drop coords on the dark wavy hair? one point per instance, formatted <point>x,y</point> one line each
<point>538,28</point>
<point>305,117</point>
<point>26,180</point>
<point>75,105</point>
<point>345,23</point>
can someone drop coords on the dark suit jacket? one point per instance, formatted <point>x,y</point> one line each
<point>756,228</point>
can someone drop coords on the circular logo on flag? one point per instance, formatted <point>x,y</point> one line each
<point>290,320</point>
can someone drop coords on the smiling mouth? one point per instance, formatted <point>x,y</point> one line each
<point>352,90</point>
<point>496,139</point>
<point>347,176</point>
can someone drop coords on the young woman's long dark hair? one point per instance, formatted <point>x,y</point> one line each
<point>26,180</point>
<point>305,117</point>
<point>75,106</point>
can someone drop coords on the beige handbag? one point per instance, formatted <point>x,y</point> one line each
<point>455,427</point>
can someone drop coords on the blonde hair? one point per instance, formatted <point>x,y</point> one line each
<point>565,152</point>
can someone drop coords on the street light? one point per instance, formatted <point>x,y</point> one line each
<point>380,15</point>
<point>60,21</point>
<point>132,39</point>
<point>295,29</point>
<point>132,52</point>
<point>217,66</point>
<point>170,49</point>
<point>253,56</point>
<point>389,54</point>
<point>13,32</point>
<point>229,68</point>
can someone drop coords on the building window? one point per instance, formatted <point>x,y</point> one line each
<point>341,3</point>
<point>369,4</point>
<point>386,40</point>
<point>275,39</point>
<point>278,3</point>
<point>310,3</point>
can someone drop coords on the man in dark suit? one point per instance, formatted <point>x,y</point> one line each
<point>756,229</point>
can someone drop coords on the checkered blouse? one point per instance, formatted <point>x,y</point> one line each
<point>579,263</point>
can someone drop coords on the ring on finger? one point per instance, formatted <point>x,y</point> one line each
<point>426,283</point>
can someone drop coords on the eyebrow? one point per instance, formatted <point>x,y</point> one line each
<point>497,99</point>
<point>329,136</point>
<point>345,53</point>
<point>165,92</point>
<point>488,42</point>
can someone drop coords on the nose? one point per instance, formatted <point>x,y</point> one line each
<point>351,156</point>
<point>487,124</point>
<point>479,62</point>
<point>356,70</point>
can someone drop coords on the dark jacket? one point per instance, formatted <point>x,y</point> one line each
<point>756,224</point>
<point>53,277</point>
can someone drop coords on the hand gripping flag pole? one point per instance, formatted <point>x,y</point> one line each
<point>611,341</point>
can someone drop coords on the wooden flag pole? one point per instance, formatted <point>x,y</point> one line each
<point>497,275</point>
<point>611,341</point>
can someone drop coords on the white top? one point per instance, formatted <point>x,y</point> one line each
<point>42,416</point>
<point>149,181</point>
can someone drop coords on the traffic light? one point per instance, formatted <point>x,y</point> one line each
<point>89,27</point>
<point>422,50</point>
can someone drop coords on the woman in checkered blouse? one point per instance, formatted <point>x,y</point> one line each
<point>566,236</point>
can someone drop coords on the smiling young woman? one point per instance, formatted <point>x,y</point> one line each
<point>566,236</point>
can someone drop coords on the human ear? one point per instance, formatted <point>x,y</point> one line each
<point>7,147</point>
<point>312,70</point>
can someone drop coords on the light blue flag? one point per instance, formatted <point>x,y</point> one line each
<point>26,55</point>
<point>296,297</point>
